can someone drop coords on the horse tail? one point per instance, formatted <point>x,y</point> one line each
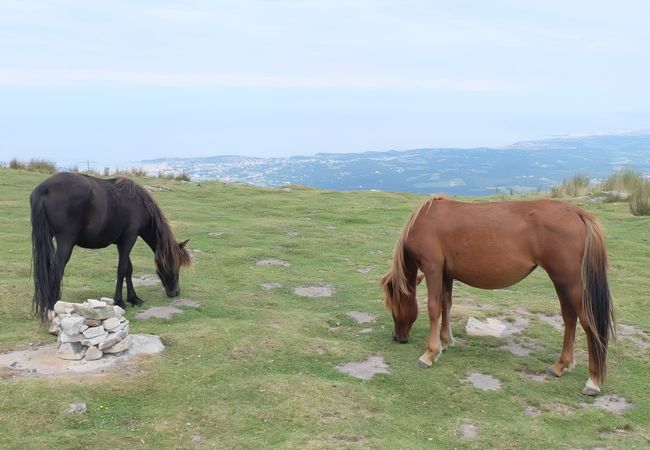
<point>596,298</point>
<point>44,265</point>
<point>397,280</point>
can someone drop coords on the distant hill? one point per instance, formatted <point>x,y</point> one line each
<point>521,167</point>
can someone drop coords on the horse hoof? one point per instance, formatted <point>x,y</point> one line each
<point>553,373</point>
<point>422,365</point>
<point>591,388</point>
<point>590,391</point>
<point>135,301</point>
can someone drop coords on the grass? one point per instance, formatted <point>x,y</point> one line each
<point>254,368</point>
<point>622,186</point>
<point>34,165</point>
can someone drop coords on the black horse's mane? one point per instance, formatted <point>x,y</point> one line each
<point>170,255</point>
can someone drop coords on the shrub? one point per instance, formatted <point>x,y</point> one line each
<point>35,165</point>
<point>640,198</point>
<point>183,176</point>
<point>41,165</point>
<point>576,186</point>
<point>17,165</point>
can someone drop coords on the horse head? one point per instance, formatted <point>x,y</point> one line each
<point>402,306</point>
<point>168,268</point>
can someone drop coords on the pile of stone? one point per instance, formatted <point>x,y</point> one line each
<point>90,330</point>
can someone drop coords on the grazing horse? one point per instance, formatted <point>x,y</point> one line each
<point>94,213</point>
<point>493,246</point>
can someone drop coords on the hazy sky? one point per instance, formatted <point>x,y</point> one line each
<point>120,81</point>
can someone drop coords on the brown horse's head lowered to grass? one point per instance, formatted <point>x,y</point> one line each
<point>492,246</point>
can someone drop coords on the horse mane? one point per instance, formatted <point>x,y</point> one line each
<point>396,281</point>
<point>168,252</point>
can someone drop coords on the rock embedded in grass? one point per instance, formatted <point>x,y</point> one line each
<point>361,317</point>
<point>316,291</point>
<point>159,312</point>
<point>272,262</point>
<point>364,370</point>
<point>483,382</point>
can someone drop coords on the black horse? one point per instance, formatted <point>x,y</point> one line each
<point>92,212</point>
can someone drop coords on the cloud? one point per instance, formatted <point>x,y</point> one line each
<point>72,77</point>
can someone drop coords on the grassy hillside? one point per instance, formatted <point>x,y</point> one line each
<point>255,368</point>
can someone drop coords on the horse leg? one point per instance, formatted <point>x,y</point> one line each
<point>445,330</point>
<point>434,304</point>
<point>131,296</point>
<point>570,317</point>
<point>124,267</point>
<point>591,386</point>
<point>62,255</point>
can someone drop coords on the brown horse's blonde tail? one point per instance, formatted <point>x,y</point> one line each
<point>596,298</point>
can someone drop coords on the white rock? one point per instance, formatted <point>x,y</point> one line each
<point>120,346</point>
<point>97,340</point>
<point>72,351</point>
<point>119,312</point>
<point>94,332</point>
<point>60,307</point>
<point>95,303</point>
<point>107,300</point>
<point>93,353</point>
<point>111,324</point>
<point>114,338</point>
<point>72,325</point>
<point>84,327</point>
<point>55,326</point>
<point>491,327</point>
<point>65,337</point>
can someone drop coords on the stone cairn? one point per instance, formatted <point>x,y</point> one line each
<point>90,330</point>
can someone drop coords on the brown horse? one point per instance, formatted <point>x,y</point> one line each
<point>495,245</point>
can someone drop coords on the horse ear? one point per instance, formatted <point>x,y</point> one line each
<point>184,243</point>
<point>420,278</point>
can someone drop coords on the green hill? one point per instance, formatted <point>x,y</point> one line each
<point>255,367</point>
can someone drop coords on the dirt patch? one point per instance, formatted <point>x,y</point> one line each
<point>612,403</point>
<point>517,349</point>
<point>531,411</point>
<point>317,291</point>
<point>269,286</point>
<point>146,280</point>
<point>364,269</point>
<point>41,361</point>
<point>468,431</point>
<point>216,233</point>
<point>159,312</point>
<point>272,262</point>
<point>365,370</point>
<point>483,382</point>
<point>536,377</point>
<point>634,335</point>
<point>555,321</point>
<point>186,302</point>
<point>331,227</point>
<point>361,317</point>
<point>523,347</point>
<point>293,234</point>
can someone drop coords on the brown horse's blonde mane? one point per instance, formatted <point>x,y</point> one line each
<point>168,252</point>
<point>396,281</point>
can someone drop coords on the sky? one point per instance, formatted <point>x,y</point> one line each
<point>114,82</point>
